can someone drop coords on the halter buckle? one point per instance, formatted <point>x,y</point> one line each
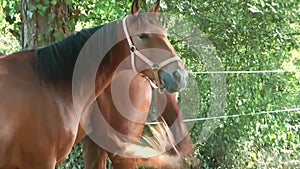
<point>132,49</point>
<point>155,67</point>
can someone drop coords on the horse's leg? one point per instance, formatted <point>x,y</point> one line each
<point>185,146</point>
<point>122,162</point>
<point>139,88</point>
<point>38,164</point>
<point>44,166</point>
<point>94,156</point>
<point>171,114</point>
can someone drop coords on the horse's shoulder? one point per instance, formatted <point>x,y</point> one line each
<point>18,65</point>
<point>22,57</point>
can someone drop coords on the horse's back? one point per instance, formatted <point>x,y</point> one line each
<point>13,93</point>
<point>31,123</point>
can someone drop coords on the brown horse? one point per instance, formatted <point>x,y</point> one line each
<point>95,156</point>
<point>38,114</point>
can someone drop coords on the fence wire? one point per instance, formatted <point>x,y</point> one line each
<point>290,110</point>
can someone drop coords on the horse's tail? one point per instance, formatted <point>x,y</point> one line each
<point>146,156</point>
<point>161,161</point>
<point>154,152</point>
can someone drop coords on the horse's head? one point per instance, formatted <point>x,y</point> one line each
<point>151,52</point>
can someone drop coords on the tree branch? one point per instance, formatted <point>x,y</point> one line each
<point>144,5</point>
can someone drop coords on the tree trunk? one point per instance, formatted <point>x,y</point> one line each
<point>44,22</point>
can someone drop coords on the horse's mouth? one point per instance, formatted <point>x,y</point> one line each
<point>170,83</point>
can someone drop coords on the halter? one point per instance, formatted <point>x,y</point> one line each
<point>155,67</point>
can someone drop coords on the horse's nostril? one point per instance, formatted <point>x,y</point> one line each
<point>177,76</point>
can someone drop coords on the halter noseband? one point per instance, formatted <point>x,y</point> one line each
<point>155,67</point>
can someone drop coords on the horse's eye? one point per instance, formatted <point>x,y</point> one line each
<point>143,36</point>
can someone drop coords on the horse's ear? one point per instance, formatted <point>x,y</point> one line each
<point>135,8</point>
<point>155,7</point>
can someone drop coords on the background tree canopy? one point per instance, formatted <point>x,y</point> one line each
<point>247,36</point>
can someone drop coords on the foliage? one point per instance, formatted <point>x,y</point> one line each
<point>257,35</point>
<point>8,22</point>
<point>247,35</point>
<point>74,160</point>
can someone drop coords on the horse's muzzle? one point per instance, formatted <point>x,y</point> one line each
<point>173,81</point>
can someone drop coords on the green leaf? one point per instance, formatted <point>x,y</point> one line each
<point>272,136</point>
<point>29,14</point>
<point>46,2</point>
<point>68,2</point>
<point>32,8</point>
<point>51,16</point>
<point>44,9</point>
<point>58,36</point>
<point>39,6</point>
<point>50,29</point>
<point>53,2</point>
<point>253,155</point>
<point>40,38</point>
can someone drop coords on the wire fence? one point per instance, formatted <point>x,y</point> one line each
<point>289,110</point>
<point>246,72</point>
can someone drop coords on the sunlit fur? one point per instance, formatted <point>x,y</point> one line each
<point>2,55</point>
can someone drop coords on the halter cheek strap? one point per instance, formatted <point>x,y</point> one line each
<point>154,66</point>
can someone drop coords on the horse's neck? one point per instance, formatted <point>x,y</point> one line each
<point>79,94</point>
